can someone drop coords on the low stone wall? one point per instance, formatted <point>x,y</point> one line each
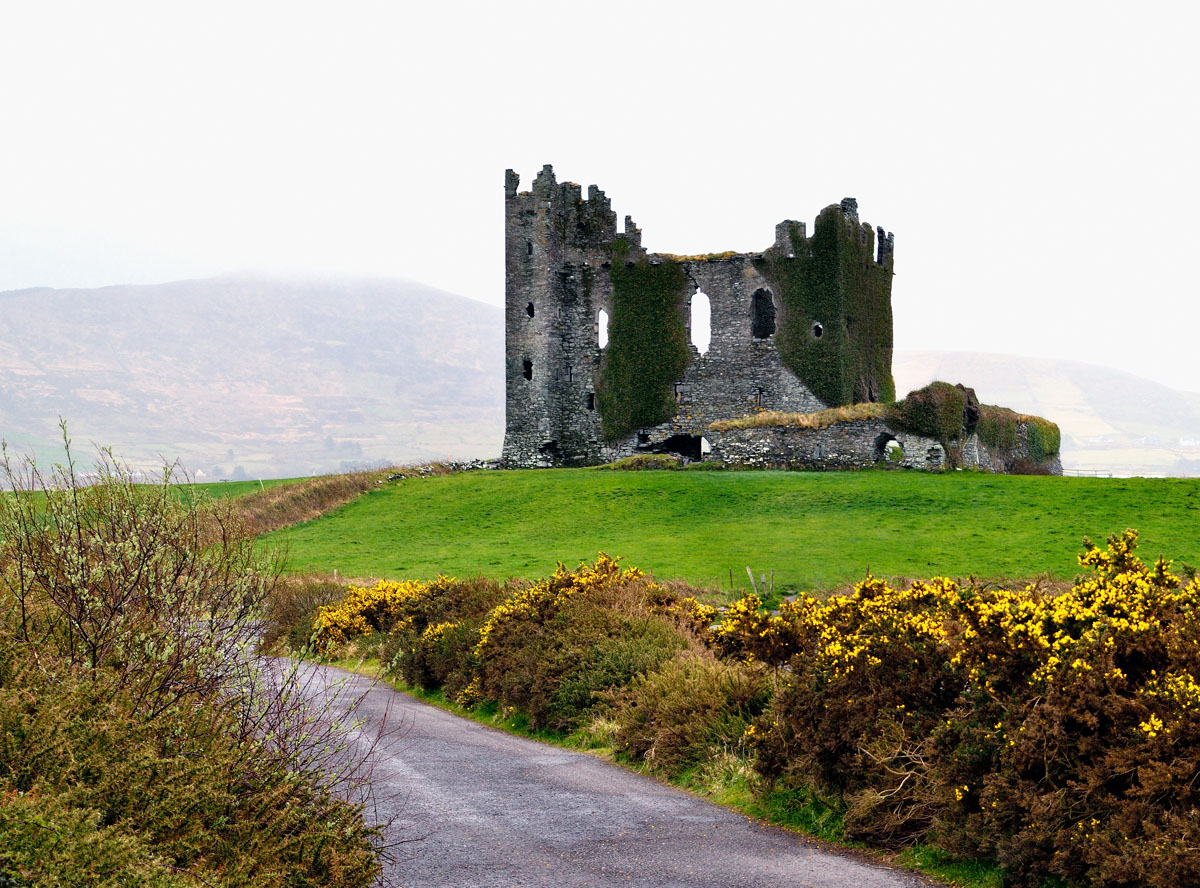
<point>858,444</point>
<point>861,444</point>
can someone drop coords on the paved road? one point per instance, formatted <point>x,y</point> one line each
<point>499,810</point>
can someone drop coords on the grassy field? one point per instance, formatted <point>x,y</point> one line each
<point>814,530</point>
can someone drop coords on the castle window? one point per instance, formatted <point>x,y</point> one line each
<point>602,328</point>
<point>818,331</point>
<point>758,397</point>
<point>701,322</point>
<point>528,368</point>
<point>591,400</point>
<point>529,309</point>
<point>762,314</point>
<point>643,438</point>
<point>528,248</point>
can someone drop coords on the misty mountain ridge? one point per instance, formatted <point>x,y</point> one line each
<point>259,376</point>
<point>255,376</point>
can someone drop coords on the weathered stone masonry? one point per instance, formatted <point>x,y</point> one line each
<point>803,326</point>
<point>559,250</point>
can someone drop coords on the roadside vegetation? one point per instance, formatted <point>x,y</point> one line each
<point>986,735</point>
<point>141,741</point>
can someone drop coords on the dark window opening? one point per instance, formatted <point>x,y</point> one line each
<point>550,448</point>
<point>762,317</point>
<point>758,397</point>
<point>687,446</point>
<point>818,331</point>
<point>643,438</point>
<point>529,309</point>
<point>528,248</point>
<point>527,368</point>
<point>570,374</point>
<point>591,400</point>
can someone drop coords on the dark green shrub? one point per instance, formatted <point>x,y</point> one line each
<point>935,411</point>
<point>691,708</point>
<point>559,669</point>
<point>433,645</point>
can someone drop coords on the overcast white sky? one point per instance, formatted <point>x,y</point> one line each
<point>1036,161</point>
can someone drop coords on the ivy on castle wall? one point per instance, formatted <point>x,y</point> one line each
<point>834,282</point>
<point>647,344</point>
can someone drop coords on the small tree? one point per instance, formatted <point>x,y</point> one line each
<point>154,593</point>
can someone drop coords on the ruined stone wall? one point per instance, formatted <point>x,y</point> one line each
<point>858,444</point>
<point>861,444</point>
<point>559,253</point>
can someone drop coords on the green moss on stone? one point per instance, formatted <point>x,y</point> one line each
<point>647,348</point>
<point>997,427</point>
<point>833,281</point>
<point>1044,439</point>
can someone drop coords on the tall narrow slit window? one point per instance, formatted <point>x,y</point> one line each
<point>762,314</point>
<point>602,328</point>
<point>701,322</point>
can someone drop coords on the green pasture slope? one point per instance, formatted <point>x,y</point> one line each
<point>814,530</point>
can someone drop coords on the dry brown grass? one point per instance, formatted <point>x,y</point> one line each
<point>820,420</point>
<point>288,504</point>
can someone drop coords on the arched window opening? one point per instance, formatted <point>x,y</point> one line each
<point>602,328</point>
<point>591,401</point>
<point>818,331</point>
<point>762,314</point>
<point>701,322</point>
<point>527,368</point>
<point>529,309</point>
<point>888,450</point>
<point>528,248</point>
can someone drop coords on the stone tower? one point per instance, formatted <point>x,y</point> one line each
<point>804,325</point>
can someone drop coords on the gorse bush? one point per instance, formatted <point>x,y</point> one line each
<point>554,649</point>
<point>141,743</point>
<point>1058,734</point>
<point>693,708</point>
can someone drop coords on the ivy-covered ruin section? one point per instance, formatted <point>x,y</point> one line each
<point>647,343</point>
<point>835,325</point>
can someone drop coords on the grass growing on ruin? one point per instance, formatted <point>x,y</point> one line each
<point>814,530</point>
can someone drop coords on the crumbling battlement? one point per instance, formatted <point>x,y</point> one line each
<point>804,325</point>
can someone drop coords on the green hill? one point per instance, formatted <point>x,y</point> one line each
<point>814,530</point>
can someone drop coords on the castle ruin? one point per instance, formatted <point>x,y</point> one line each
<point>601,361</point>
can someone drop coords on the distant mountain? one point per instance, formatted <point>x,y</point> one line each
<point>251,376</point>
<point>1111,421</point>
<point>254,376</point>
